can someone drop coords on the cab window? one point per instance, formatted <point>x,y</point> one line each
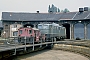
<point>30,31</point>
<point>40,26</point>
<point>20,31</point>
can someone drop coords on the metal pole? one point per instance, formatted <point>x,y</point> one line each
<point>52,41</point>
<point>25,43</point>
<point>72,31</point>
<point>33,42</point>
<point>52,35</point>
<point>41,43</point>
<point>85,31</point>
<point>5,37</point>
<point>15,46</point>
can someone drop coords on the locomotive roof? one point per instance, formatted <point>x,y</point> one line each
<point>35,29</point>
<point>60,26</point>
<point>54,24</point>
<point>22,16</point>
<point>44,23</point>
<point>28,27</point>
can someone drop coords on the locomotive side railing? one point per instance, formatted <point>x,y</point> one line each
<point>77,46</point>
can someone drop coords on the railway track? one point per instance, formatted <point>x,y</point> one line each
<point>85,43</point>
<point>81,47</point>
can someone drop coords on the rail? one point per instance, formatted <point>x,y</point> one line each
<point>77,46</point>
<point>74,48</point>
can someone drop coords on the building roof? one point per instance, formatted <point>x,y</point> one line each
<point>1,24</point>
<point>18,16</point>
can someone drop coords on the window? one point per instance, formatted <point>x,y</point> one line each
<point>45,27</point>
<point>20,31</point>
<point>15,33</point>
<point>30,31</point>
<point>40,26</point>
<point>14,26</point>
<point>6,26</point>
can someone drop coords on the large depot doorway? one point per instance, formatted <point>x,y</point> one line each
<point>67,26</point>
<point>79,31</point>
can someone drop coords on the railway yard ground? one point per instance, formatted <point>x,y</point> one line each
<point>51,55</point>
<point>85,43</point>
<point>77,46</point>
<point>62,50</point>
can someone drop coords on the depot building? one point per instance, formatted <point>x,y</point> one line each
<point>77,23</point>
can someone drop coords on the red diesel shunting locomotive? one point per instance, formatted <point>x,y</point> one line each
<point>29,32</point>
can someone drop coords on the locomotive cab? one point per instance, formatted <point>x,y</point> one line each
<point>25,32</point>
<point>36,34</point>
<point>30,34</point>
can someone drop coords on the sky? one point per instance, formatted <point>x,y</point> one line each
<point>32,6</point>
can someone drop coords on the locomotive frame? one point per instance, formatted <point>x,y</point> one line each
<point>45,32</point>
